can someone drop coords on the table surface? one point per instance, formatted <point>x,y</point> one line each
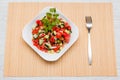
<point>3,21</point>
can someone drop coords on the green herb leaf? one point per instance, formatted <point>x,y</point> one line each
<point>53,10</point>
<point>53,23</point>
<point>57,21</point>
<point>49,15</point>
<point>50,20</point>
<point>50,27</point>
<point>46,30</point>
<point>45,21</point>
<point>55,15</point>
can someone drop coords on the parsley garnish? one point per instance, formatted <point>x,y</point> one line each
<point>50,20</point>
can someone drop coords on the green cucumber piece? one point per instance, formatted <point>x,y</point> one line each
<point>35,36</point>
<point>41,31</point>
<point>46,36</point>
<point>67,31</point>
<point>48,46</point>
<point>54,32</point>
<point>41,41</point>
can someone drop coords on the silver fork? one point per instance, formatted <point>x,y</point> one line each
<point>89,26</point>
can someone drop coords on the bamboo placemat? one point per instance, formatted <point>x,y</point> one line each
<point>21,60</point>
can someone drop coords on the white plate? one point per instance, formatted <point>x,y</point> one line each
<point>27,36</point>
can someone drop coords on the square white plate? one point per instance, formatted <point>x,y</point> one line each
<point>27,36</point>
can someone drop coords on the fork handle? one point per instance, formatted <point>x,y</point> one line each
<point>89,50</point>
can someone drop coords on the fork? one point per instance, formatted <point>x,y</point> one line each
<point>89,26</point>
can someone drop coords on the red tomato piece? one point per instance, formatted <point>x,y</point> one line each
<point>56,29</point>
<point>58,35</point>
<point>69,28</point>
<point>64,34</point>
<point>66,24</point>
<point>39,22</point>
<point>57,48</point>
<point>45,39</point>
<point>42,47</point>
<point>45,50</point>
<point>62,29</point>
<point>35,42</point>
<point>37,28</point>
<point>52,39</point>
<point>66,37</point>
<point>34,31</point>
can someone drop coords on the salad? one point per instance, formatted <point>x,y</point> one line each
<point>51,33</point>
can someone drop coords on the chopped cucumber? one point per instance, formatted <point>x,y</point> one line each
<point>41,41</point>
<point>54,32</point>
<point>61,44</point>
<point>51,51</point>
<point>35,36</point>
<point>63,21</point>
<point>46,36</point>
<point>67,31</point>
<point>61,25</point>
<point>58,41</point>
<point>61,48</point>
<point>41,31</point>
<point>48,46</point>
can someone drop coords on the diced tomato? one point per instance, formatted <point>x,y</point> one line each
<point>45,50</point>
<point>66,37</point>
<point>66,24</point>
<point>62,29</point>
<point>35,42</point>
<point>35,31</point>
<point>38,46</point>
<point>45,39</point>
<point>52,39</point>
<point>37,28</point>
<point>57,48</point>
<point>69,28</point>
<point>58,35</point>
<point>39,22</point>
<point>56,29</point>
<point>64,34</point>
<point>42,47</point>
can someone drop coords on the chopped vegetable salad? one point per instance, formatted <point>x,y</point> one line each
<point>51,33</point>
